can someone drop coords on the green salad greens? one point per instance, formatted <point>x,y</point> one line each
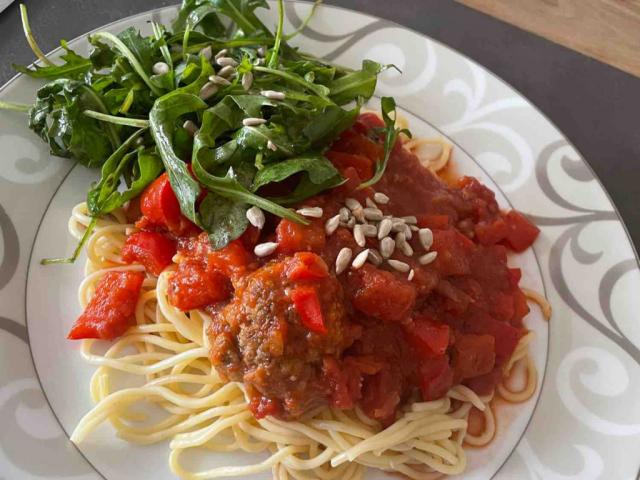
<point>218,101</point>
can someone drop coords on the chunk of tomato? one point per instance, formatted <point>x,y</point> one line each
<point>306,266</point>
<point>380,294</point>
<point>490,233</point>
<point>160,208</point>
<point>381,395</point>
<point>505,335</point>
<point>522,233</point>
<point>232,260</point>
<point>360,163</point>
<point>428,339</point>
<point>151,249</point>
<point>307,304</point>
<point>454,251</point>
<point>434,222</point>
<point>293,237</point>
<point>110,312</point>
<point>473,355</point>
<point>436,377</point>
<point>193,286</point>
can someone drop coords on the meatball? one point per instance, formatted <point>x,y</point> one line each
<point>258,338</point>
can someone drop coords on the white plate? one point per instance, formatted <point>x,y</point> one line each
<point>586,422</point>
<point>4,4</point>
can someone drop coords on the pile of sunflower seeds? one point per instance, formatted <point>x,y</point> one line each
<point>368,221</point>
<point>391,233</point>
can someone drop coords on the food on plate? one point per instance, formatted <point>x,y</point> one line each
<point>276,269</point>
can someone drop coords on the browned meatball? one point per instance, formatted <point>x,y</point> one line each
<point>258,338</point>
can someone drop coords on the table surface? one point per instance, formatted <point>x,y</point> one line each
<point>595,105</point>
<point>608,30</point>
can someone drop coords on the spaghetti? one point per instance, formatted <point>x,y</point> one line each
<point>192,407</point>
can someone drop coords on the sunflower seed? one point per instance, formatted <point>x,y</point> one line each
<point>384,228</point>
<point>313,212</point>
<point>387,246</point>
<point>252,122</point>
<point>226,62</point>
<point>370,203</point>
<point>427,258</point>
<point>221,53</point>
<point>411,219</point>
<point>426,238</point>
<point>358,235</point>
<point>401,239</point>
<point>226,71</point>
<point>398,265</point>
<point>412,272</point>
<point>190,127</point>
<point>264,249</point>
<point>262,51</point>
<point>218,80</point>
<point>160,68</point>
<point>345,214</point>
<point>207,52</point>
<point>255,217</point>
<point>358,213</point>
<point>352,204</point>
<point>351,222</point>
<point>272,146</point>
<point>332,225</point>
<point>360,259</point>
<point>208,90</point>
<point>408,234</point>
<point>375,257</point>
<point>272,95</point>
<point>381,198</point>
<point>247,81</point>
<point>414,228</point>
<point>407,249</point>
<point>370,230</point>
<point>343,259</point>
<point>372,214</point>
<point>397,225</point>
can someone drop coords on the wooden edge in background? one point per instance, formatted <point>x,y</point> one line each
<point>608,30</point>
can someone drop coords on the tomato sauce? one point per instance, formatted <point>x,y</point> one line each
<point>299,336</point>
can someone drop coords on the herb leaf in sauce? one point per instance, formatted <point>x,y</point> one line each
<point>391,133</point>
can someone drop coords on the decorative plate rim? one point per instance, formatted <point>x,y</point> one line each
<point>492,75</point>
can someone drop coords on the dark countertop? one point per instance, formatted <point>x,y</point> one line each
<point>596,106</point>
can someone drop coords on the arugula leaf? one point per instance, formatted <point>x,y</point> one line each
<point>204,72</point>
<point>224,219</point>
<point>105,196</point>
<point>391,133</point>
<point>76,252</point>
<point>274,54</point>
<point>110,175</point>
<point>320,90</point>
<point>317,167</point>
<point>223,117</point>
<point>141,47</point>
<point>361,83</point>
<point>57,117</point>
<point>75,66</point>
<point>231,188</point>
<point>163,117</point>
<point>327,126</point>
<point>124,50</point>
<point>319,175</point>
